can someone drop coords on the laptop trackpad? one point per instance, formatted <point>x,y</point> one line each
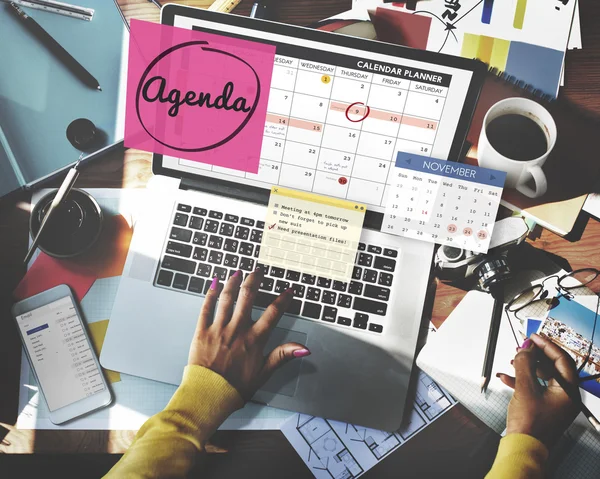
<point>284,380</point>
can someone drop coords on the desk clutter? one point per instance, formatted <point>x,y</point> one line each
<point>75,69</point>
<point>324,162</point>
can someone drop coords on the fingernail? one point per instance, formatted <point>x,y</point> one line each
<point>527,344</point>
<point>258,270</point>
<point>236,274</point>
<point>512,361</point>
<point>215,283</point>
<point>498,375</point>
<point>300,353</point>
<point>289,290</point>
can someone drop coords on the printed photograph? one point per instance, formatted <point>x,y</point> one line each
<point>571,325</point>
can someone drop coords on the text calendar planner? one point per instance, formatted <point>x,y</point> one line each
<point>336,117</point>
<point>443,202</point>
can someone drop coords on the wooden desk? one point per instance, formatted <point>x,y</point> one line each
<point>457,442</point>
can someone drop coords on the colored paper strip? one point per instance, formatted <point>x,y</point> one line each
<point>470,46</point>
<point>500,54</point>
<point>484,52</point>
<point>520,14</point>
<point>486,14</point>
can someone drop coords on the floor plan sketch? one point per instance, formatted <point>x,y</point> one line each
<point>339,450</point>
<point>327,452</point>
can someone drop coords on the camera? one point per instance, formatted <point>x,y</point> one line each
<point>458,265</point>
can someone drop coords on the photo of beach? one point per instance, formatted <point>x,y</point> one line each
<point>571,326</point>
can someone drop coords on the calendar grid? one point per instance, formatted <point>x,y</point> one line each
<point>309,142</point>
<point>358,142</point>
<point>287,129</point>
<point>437,129</point>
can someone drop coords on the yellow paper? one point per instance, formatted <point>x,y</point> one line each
<point>97,332</point>
<point>312,234</point>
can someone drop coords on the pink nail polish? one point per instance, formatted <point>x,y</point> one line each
<point>215,283</point>
<point>236,274</point>
<point>300,353</point>
<point>526,344</point>
<point>289,290</point>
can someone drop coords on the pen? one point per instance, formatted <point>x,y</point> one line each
<point>57,50</point>
<point>497,293</point>
<point>260,11</point>
<point>61,194</point>
<point>572,392</point>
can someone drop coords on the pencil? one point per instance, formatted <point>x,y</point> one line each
<point>55,48</point>
<point>497,292</point>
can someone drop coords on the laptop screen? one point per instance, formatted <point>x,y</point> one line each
<point>341,108</point>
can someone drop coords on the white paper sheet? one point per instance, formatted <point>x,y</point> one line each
<point>342,450</point>
<point>135,399</point>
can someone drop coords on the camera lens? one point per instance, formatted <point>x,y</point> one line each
<point>451,253</point>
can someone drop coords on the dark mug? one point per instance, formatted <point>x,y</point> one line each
<point>73,227</point>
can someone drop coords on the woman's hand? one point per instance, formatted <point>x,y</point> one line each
<point>544,413</point>
<point>231,344</point>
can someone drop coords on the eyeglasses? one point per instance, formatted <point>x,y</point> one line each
<point>534,302</point>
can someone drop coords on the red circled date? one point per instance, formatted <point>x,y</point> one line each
<point>367,111</point>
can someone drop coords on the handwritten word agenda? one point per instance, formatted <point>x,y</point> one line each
<point>191,98</point>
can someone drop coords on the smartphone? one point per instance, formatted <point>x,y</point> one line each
<point>61,355</point>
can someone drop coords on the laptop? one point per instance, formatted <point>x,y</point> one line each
<point>205,221</point>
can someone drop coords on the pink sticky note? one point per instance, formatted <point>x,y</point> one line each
<point>196,95</point>
<point>47,272</point>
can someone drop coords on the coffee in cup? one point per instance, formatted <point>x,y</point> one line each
<point>517,137</point>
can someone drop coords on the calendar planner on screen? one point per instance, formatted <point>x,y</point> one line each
<point>336,118</point>
<point>443,202</point>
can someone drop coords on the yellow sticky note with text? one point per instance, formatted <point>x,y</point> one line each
<point>312,234</point>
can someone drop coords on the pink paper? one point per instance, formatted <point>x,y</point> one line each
<point>47,272</point>
<point>198,96</point>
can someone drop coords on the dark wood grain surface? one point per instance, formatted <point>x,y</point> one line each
<point>457,445</point>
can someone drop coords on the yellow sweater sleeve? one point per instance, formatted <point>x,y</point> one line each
<point>168,443</point>
<point>519,457</point>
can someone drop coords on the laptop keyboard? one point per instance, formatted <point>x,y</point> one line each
<point>205,243</point>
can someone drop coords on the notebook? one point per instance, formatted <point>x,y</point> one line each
<point>40,97</point>
<point>453,357</point>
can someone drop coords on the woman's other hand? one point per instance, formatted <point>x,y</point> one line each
<point>542,412</point>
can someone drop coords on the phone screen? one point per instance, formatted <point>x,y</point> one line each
<point>60,353</point>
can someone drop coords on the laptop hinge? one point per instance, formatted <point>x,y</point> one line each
<point>255,195</point>
<point>226,188</point>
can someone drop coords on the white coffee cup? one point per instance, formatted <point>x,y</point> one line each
<point>518,173</point>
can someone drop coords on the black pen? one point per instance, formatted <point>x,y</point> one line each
<point>51,44</point>
<point>260,11</point>
<point>497,292</point>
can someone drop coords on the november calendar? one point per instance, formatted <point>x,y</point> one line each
<point>337,116</point>
<point>443,202</point>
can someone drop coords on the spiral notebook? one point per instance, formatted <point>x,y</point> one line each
<point>453,358</point>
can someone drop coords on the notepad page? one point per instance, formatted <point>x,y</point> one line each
<point>454,358</point>
<point>582,452</point>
